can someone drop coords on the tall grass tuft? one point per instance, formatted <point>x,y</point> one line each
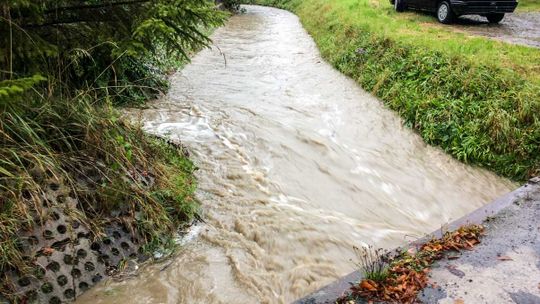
<point>373,263</point>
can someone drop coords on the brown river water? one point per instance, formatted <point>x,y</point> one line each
<point>297,165</point>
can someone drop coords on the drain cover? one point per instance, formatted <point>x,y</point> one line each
<point>65,261</point>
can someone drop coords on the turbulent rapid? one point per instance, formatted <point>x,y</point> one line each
<point>297,165</point>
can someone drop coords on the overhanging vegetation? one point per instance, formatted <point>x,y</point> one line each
<point>64,66</point>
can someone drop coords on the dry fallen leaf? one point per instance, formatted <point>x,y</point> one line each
<point>48,251</point>
<point>504,258</point>
<point>455,271</point>
<point>367,286</point>
<point>405,282</point>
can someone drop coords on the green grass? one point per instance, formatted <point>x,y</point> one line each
<point>478,99</point>
<point>528,5</point>
<point>372,263</point>
<point>47,137</point>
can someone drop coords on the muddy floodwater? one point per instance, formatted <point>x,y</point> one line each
<point>297,165</point>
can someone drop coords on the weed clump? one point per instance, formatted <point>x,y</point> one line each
<point>399,279</point>
<point>373,263</point>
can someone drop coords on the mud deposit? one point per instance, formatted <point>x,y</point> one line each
<point>518,28</point>
<point>297,165</point>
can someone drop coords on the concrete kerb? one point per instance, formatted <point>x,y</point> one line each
<point>330,293</point>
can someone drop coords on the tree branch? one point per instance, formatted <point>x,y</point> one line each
<point>94,6</point>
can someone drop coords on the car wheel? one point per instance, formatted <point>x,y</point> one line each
<point>400,5</point>
<point>495,18</point>
<point>444,13</point>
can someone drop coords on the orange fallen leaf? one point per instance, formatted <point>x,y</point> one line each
<point>459,301</point>
<point>366,285</point>
<point>48,250</point>
<point>437,247</point>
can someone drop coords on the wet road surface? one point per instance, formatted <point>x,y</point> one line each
<point>518,28</point>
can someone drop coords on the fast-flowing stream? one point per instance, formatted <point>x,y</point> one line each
<point>297,165</point>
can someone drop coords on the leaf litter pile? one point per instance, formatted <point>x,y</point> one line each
<point>399,277</point>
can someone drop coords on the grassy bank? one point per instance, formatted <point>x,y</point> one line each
<point>102,159</point>
<point>476,98</point>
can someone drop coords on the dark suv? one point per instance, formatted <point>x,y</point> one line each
<point>448,10</point>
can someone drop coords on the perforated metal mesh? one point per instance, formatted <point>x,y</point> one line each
<point>65,261</point>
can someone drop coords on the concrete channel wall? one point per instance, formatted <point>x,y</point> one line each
<point>333,291</point>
